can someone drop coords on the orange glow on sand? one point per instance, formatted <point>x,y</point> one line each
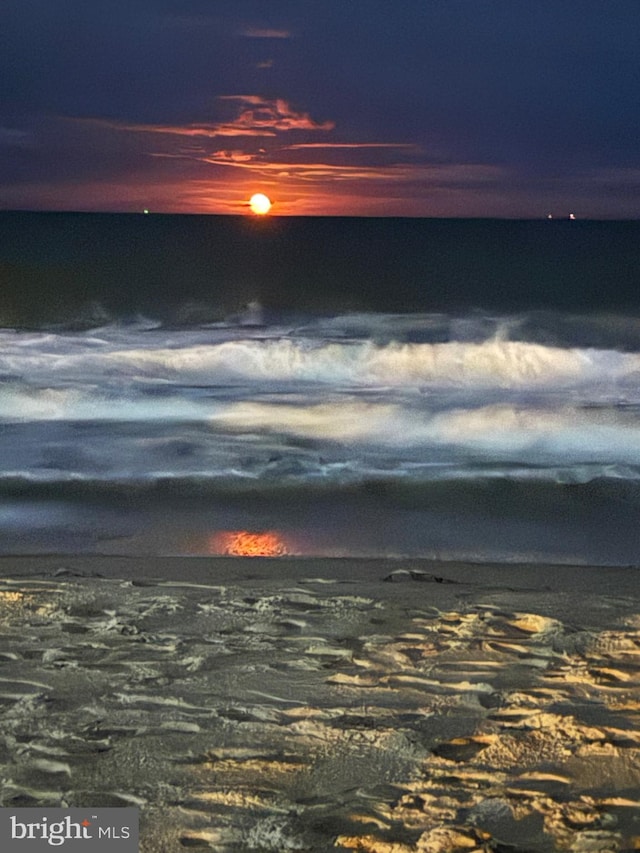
<point>244,543</point>
<point>260,204</point>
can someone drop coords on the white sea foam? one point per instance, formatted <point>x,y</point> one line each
<point>532,434</point>
<point>91,404</point>
<point>568,434</point>
<point>235,404</point>
<point>490,364</point>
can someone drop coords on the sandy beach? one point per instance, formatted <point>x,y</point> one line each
<point>316,705</point>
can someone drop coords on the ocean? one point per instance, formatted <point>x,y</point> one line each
<point>194,385</point>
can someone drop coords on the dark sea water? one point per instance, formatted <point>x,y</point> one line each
<point>202,384</point>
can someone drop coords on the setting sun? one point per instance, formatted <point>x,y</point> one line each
<point>260,204</point>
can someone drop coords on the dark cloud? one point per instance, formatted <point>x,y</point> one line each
<point>266,33</point>
<point>11,137</point>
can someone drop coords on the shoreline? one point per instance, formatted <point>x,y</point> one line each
<point>358,564</point>
<point>275,704</point>
<point>390,577</point>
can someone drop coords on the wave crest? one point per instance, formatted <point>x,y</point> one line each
<point>494,363</point>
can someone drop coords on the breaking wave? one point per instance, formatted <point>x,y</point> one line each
<point>411,418</point>
<point>493,363</point>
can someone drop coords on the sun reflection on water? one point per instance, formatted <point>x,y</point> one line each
<point>246,543</point>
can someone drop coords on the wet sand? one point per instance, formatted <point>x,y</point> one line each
<point>323,705</point>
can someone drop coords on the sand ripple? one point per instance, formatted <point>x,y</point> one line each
<point>411,718</point>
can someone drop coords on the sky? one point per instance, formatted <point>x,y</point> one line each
<point>508,108</point>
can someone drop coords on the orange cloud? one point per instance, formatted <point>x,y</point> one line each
<point>256,117</point>
<point>202,129</point>
<point>274,114</point>
<point>233,157</point>
<point>453,173</point>
<point>302,145</point>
